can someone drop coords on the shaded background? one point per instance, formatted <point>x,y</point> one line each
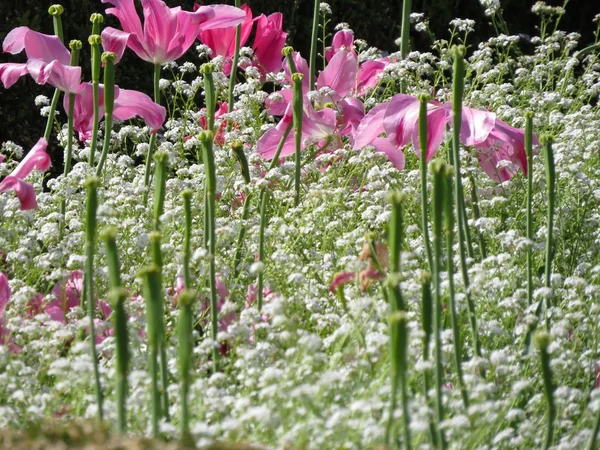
<point>376,21</point>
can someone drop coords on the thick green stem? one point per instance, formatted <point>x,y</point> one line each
<point>109,103</point>
<point>298,108</point>
<point>55,11</point>
<point>95,42</point>
<point>438,168</point>
<point>313,46</point>
<point>477,215</point>
<point>551,194</point>
<point>464,235</point>
<point>542,341</point>
<point>233,75</point>
<point>153,136</point>
<point>92,184</point>
<point>185,351</point>
<point>117,298</point>
<point>423,144</point>
<point>206,138</point>
<point>153,297</point>
<point>187,238</point>
<point>405,32</point>
<point>529,151</point>
<point>449,227</point>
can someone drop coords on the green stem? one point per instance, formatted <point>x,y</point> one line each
<point>241,236</point>
<point>95,41</point>
<point>109,102</point>
<point>153,136</point>
<point>449,227</point>
<point>187,238</point>
<point>92,184</point>
<point>313,46</point>
<point>438,168</point>
<point>529,151</point>
<point>551,194</point>
<point>542,341</point>
<point>423,144</point>
<point>592,442</point>
<point>206,138</point>
<point>233,75</point>
<point>55,11</point>
<point>264,200</point>
<point>477,215</point>
<point>153,298</point>
<point>405,32</point>
<point>298,108</point>
<point>185,350</point>
<point>160,184</point>
<point>464,235</point>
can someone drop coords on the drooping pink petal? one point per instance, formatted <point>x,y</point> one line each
<point>132,103</point>
<point>36,158</point>
<point>266,146</point>
<point>24,191</point>
<point>11,72</point>
<point>218,16</point>
<point>124,10</point>
<point>4,293</point>
<point>394,154</point>
<point>277,102</point>
<point>65,78</point>
<point>370,126</point>
<point>340,74</point>
<point>341,279</point>
<point>36,45</point>
<point>436,128</point>
<point>269,41</point>
<point>342,39</point>
<point>401,119</point>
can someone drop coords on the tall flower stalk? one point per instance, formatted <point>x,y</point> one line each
<point>92,184</point>
<point>398,322</point>
<point>529,151</point>
<point>117,298</point>
<point>238,150</point>
<point>185,352</point>
<point>95,44</point>
<point>297,106</point>
<point>313,45</point>
<point>186,195</point>
<point>108,59</point>
<point>234,68</point>
<point>153,136</point>
<point>551,195</point>
<point>206,138</point>
<point>449,229</point>
<point>458,85</point>
<point>55,11</point>
<point>405,32</point>
<point>542,342</point>
<point>423,144</point>
<point>438,168</point>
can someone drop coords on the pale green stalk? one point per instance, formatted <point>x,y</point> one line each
<point>109,103</point>
<point>96,49</point>
<point>529,151</point>
<point>423,145</point>
<point>153,136</point>
<point>313,46</point>
<point>298,109</point>
<point>55,11</point>
<point>238,150</point>
<point>542,341</point>
<point>185,352</point>
<point>405,32</point>
<point>551,194</point>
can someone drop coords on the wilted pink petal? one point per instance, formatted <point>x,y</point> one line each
<point>370,126</point>
<point>342,39</point>
<point>368,74</point>
<point>269,41</point>
<point>132,103</point>
<point>475,124</point>
<point>218,16</point>
<point>11,72</point>
<point>23,190</point>
<point>340,74</point>
<point>4,293</point>
<point>340,279</point>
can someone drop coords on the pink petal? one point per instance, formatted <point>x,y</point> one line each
<point>340,279</point>
<point>218,16</point>
<point>125,11</point>
<point>368,74</point>
<point>36,45</point>
<point>160,29</point>
<point>64,78</point>
<point>401,119</point>
<point>370,126</point>
<point>24,191</point>
<point>11,72</point>
<point>115,41</point>
<point>222,40</point>
<point>301,67</point>
<point>269,41</point>
<point>341,39</point>
<point>436,128</point>
<point>352,111</point>
<point>37,158</point>
<point>277,102</point>
<point>132,103</point>
<point>268,142</point>
<point>394,154</point>
<point>475,124</point>
<point>340,73</point>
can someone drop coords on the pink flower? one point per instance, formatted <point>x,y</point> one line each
<point>368,74</point>
<point>341,279</point>
<point>269,41</point>
<point>340,74</point>
<point>128,104</point>
<point>48,60</point>
<point>168,32</point>
<point>222,40</point>
<point>504,144</point>
<point>68,295</point>
<point>342,39</point>
<point>222,109</point>
<point>37,158</point>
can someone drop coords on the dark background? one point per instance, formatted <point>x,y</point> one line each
<point>376,21</point>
